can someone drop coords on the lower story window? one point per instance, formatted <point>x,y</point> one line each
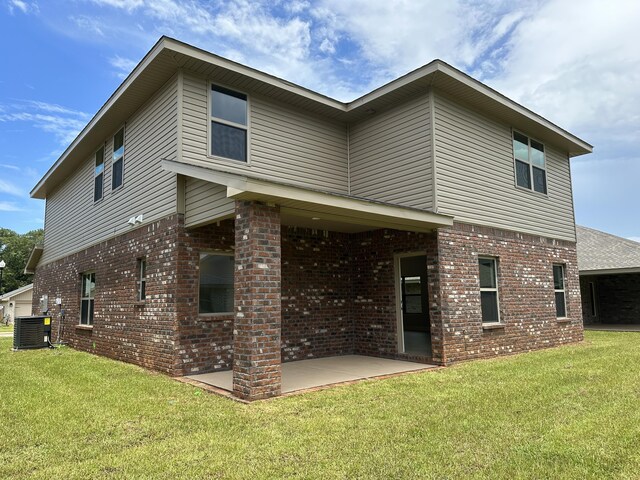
<point>87,299</point>
<point>489,290</point>
<point>558,287</point>
<point>216,283</point>
<point>142,279</point>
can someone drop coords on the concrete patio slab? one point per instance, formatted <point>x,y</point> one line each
<point>317,372</point>
<point>614,327</point>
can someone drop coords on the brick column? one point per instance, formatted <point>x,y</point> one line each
<point>256,335</point>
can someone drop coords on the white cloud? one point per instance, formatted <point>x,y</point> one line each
<point>10,167</point>
<point>88,24</point>
<point>129,5</point>
<point>577,65</point>
<point>248,32</point>
<point>64,123</point>
<point>297,6</point>
<point>10,189</point>
<point>404,35</point>
<point>55,108</point>
<point>124,65</point>
<point>9,207</point>
<point>21,5</point>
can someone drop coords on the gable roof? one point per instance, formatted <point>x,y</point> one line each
<point>9,295</point>
<point>600,252</point>
<point>169,55</point>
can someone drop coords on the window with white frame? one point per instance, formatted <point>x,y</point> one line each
<point>530,163</point>
<point>117,175</point>
<point>98,175</point>
<point>489,289</point>
<point>87,298</point>
<point>142,279</point>
<point>216,283</point>
<point>559,288</point>
<point>228,124</point>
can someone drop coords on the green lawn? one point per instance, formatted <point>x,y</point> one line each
<point>6,328</point>
<point>570,412</point>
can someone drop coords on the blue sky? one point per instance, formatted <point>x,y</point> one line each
<point>577,64</point>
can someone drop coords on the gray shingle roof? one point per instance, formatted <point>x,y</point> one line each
<point>602,251</point>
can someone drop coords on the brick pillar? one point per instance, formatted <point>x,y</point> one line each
<point>256,335</point>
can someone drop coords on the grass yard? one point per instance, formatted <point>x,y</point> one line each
<point>6,328</point>
<point>570,412</point>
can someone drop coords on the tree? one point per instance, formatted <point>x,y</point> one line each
<point>15,250</point>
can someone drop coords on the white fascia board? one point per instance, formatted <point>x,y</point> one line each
<point>259,188</point>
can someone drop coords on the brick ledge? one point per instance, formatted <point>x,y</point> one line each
<point>493,326</point>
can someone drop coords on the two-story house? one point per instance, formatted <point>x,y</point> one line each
<point>213,217</point>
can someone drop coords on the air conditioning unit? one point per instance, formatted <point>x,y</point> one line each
<point>31,332</point>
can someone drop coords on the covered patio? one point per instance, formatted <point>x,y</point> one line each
<point>320,372</point>
<point>319,283</point>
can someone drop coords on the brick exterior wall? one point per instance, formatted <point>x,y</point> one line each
<point>316,294</point>
<point>123,328</point>
<point>257,369</point>
<point>525,291</point>
<point>323,294</point>
<point>204,341</point>
<point>373,307</point>
<point>617,298</point>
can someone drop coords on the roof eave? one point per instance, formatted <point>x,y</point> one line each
<point>39,191</point>
<point>34,258</point>
<point>575,145</point>
<point>608,271</point>
<point>581,147</point>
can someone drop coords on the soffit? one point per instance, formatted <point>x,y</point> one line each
<point>34,258</point>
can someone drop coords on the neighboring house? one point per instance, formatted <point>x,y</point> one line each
<point>211,217</point>
<point>16,303</point>
<point>609,268</point>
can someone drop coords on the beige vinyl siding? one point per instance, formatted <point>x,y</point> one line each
<point>390,155</point>
<point>476,181</point>
<point>285,145</point>
<point>73,221</point>
<point>205,202</point>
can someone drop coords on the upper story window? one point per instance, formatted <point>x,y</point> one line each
<point>530,161</point>
<point>118,159</point>
<point>228,124</point>
<point>98,175</point>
